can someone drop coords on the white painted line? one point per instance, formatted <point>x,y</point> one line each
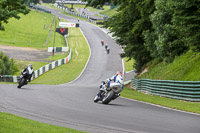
<point>161,106</point>
<point>131,71</point>
<point>87,60</point>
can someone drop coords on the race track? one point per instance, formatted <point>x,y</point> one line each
<point>71,105</point>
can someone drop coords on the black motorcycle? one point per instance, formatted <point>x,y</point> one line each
<point>23,79</point>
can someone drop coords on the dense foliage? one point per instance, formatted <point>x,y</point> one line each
<point>155,29</point>
<point>12,8</point>
<point>9,9</point>
<point>7,66</point>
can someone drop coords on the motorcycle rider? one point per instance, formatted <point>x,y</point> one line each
<point>117,82</point>
<point>102,42</point>
<point>29,71</point>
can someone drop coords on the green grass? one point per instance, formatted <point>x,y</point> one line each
<point>50,6</point>
<point>83,6</point>
<point>167,102</point>
<point>22,64</point>
<point>80,18</point>
<point>13,124</point>
<point>57,56</point>
<point>184,68</point>
<point>74,67</point>
<point>31,30</point>
<point>36,64</point>
<point>129,65</point>
<point>109,12</point>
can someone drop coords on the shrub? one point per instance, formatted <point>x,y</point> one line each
<point>7,66</point>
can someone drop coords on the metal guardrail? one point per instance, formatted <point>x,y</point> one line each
<point>38,72</point>
<point>42,70</point>
<point>182,90</point>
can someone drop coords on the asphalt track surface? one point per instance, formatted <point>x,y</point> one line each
<point>71,105</point>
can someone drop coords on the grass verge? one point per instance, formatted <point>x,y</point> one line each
<point>167,102</point>
<point>80,54</point>
<point>23,64</point>
<point>80,18</point>
<point>13,124</point>
<point>31,30</point>
<point>129,64</point>
<point>109,12</point>
<point>183,68</point>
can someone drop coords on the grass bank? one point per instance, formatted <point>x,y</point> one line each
<point>13,124</point>
<point>129,64</point>
<point>167,102</point>
<point>183,68</point>
<point>68,72</point>
<point>31,30</point>
<point>109,12</point>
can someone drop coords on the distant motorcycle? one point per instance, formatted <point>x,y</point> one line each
<point>102,42</point>
<point>106,94</point>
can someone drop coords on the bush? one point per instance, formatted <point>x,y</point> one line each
<point>7,66</point>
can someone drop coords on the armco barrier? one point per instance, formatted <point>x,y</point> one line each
<point>40,71</point>
<point>58,49</point>
<point>183,90</point>
<point>77,14</point>
<point>52,65</point>
<point>10,78</point>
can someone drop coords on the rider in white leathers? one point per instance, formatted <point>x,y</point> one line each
<point>117,82</point>
<point>29,71</point>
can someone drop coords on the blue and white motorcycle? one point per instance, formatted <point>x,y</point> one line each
<point>106,93</point>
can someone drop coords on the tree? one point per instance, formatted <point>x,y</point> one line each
<point>9,9</point>
<point>186,20</point>
<point>7,66</point>
<point>155,29</point>
<point>129,24</point>
<point>95,3</point>
<point>163,39</point>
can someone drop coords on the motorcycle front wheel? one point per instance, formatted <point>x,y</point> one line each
<point>108,97</point>
<point>96,99</point>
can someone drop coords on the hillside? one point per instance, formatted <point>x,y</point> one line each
<point>31,30</point>
<point>184,68</point>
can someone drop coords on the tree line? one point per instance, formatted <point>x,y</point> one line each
<point>12,8</point>
<point>154,29</point>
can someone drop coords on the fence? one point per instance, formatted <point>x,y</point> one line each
<point>52,65</point>
<point>183,90</point>
<point>58,49</point>
<point>76,14</point>
<point>40,71</point>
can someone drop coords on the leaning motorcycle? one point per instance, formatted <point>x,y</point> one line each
<point>22,80</point>
<point>106,94</point>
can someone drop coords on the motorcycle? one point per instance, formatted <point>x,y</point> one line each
<point>22,80</point>
<point>102,42</point>
<point>107,94</point>
<point>24,77</point>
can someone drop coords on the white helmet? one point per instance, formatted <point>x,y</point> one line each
<point>30,65</point>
